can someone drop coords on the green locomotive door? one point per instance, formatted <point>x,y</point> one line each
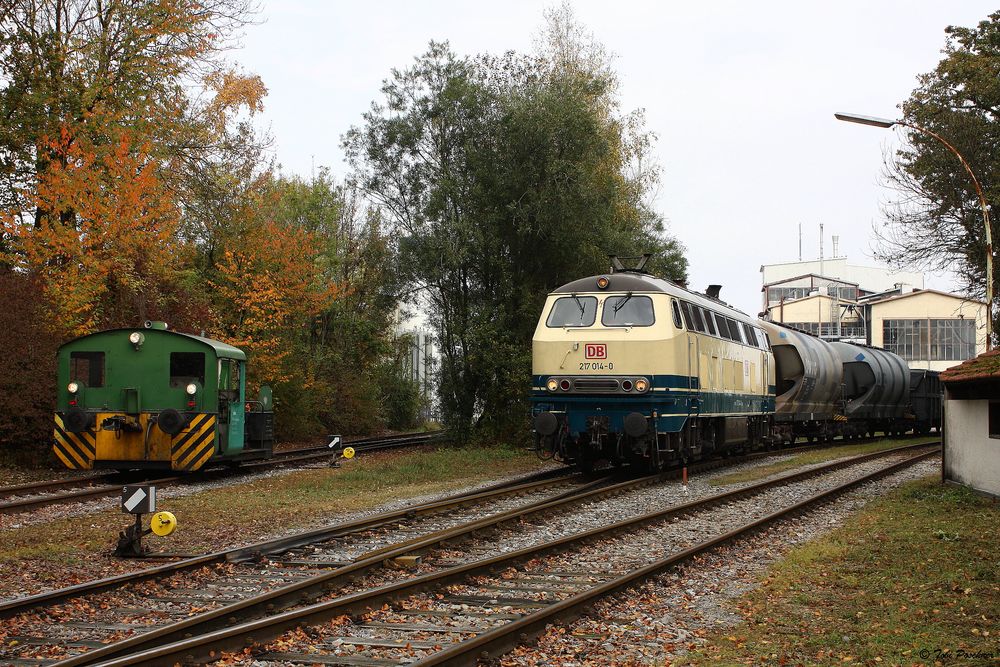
<point>232,388</point>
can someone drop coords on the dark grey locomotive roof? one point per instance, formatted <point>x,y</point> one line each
<point>630,281</point>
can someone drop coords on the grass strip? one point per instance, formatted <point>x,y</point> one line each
<point>812,457</point>
<point>241,512</point>
<point>912,579</point>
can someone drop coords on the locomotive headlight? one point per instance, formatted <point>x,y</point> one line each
<point>552,384</point>
<point>73,387</point>
<point>137,339</point>
<point>192,389</point>
<point>603,282</point>
<point>642,384</point>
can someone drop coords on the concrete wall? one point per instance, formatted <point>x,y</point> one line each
<point>818,308</point>
<point>971,457</point>
<point>929,305</point>
<point>871,278</point>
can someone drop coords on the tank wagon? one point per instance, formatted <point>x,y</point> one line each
<point>632,368</point>
<point>828,389</point>
<point>152,398</point>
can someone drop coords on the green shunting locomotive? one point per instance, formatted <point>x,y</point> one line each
<point>151,398</point>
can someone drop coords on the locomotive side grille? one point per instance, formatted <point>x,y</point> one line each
<point>595,384</point>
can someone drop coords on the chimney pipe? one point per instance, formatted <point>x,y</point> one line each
<point>713,291</point>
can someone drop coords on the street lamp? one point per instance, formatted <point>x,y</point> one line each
<point>886,123</point>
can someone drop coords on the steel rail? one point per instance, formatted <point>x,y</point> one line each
<point>107,489</point>
<point>18,605</point>
<point>50,484</point>
<point>303,591</point>
<point>200,647</point>
<point>502,639</point>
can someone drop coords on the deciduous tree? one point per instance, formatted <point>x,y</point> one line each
<point>505,177</point>
<point>935,220</point>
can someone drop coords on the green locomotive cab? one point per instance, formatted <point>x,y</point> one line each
<point>151,398</point>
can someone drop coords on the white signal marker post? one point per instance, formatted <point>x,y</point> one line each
<point>138,500</point>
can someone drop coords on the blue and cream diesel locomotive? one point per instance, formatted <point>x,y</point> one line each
<point>631,368</point>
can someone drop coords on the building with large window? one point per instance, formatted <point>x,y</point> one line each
<point>929,328</point>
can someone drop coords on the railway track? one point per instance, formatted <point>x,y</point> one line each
<point>304,568</point>
<point>35,495</point>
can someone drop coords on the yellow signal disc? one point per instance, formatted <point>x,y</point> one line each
<point>163,523</point>
<point>348,452</point>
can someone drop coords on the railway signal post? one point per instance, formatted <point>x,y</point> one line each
<point>138,500</point>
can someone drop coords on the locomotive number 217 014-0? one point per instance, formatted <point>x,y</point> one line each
<point>597,365</point>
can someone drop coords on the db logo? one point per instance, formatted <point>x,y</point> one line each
<point>595,351</point>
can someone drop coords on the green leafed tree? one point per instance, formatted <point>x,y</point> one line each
<point>504,178</point>
<point>935,220</point>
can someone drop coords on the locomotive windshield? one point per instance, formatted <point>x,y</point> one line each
<point>628,310</point>
<point>87,367</point>
<point>573,311</point>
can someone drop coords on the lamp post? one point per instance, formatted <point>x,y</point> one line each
<point>886,123</point>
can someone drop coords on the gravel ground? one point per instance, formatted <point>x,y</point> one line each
<point>670,614</point>
<point>30,576</point>
<point>535,580</point>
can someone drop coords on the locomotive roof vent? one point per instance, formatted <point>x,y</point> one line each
<point>713,291</point>
<point>618,267</point>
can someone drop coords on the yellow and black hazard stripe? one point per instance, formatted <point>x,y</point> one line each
<point>77,451</point>
<point>192,449</point>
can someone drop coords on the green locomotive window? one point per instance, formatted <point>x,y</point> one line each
<point>87,367</point>
<point>630,311</point>
<point>573,311</point>
<point>187,367</point>
<point>229,379</point>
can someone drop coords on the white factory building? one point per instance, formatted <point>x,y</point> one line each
<point>837,300</point>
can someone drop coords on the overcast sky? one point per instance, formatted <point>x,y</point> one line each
<point>741,95</point>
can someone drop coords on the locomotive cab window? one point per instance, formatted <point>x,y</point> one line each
<point>709,322</point>
<point>229,379</point>
<point>628,311</point>
<point>677,313</point>
<point>185,368</point>
<point>573,311</point>
<point>688,322</point>
<point>87,367</point>
<point>699,320</point>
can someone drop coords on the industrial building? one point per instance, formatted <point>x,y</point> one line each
<point>836,300</point>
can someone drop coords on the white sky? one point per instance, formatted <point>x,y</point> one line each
<point>741,95</point>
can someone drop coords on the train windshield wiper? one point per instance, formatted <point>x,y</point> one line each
<point>579,304</point>
<point>622,301</point>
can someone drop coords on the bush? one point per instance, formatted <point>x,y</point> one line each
<point>27,370</point>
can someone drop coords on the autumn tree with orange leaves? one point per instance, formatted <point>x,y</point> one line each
<point>133,185</point>
<point>113,245</point>
<point>270,287</point>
